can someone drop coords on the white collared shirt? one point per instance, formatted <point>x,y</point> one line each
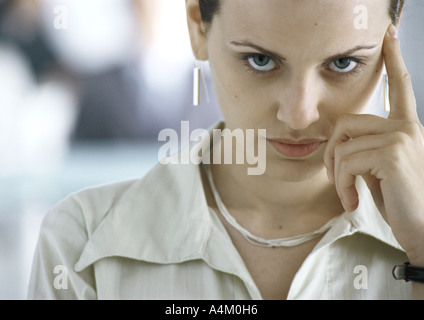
<point>156,238</point>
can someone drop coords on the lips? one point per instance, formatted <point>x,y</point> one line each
<point>296,149</point>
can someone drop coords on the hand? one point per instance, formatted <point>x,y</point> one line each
<point>388,154</point>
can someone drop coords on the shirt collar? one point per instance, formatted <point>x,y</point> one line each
<point>366,219</point>
<point>369,219</point>
<point>167,222</point>
<point>164,218</point>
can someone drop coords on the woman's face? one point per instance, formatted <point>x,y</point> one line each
<point>293,67</point>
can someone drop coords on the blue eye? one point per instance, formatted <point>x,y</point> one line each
<point>261,62</point>
<point>343,65</point>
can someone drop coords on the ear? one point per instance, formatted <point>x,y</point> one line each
<point>196,30</point>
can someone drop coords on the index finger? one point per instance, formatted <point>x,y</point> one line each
<point>401,94</point>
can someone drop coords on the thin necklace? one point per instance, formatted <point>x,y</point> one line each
<point>258,241</point>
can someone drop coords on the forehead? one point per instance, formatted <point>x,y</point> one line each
<point>305,24</point>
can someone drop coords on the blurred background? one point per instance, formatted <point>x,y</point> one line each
<point>85,89</point>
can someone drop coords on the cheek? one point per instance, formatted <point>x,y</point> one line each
<point>353,97</point>
<point>238,98</point>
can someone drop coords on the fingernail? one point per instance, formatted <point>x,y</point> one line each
<point>393,32</point>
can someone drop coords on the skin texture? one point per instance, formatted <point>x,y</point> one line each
<point>302,97</point>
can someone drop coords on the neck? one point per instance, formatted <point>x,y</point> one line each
<point>263,202</point>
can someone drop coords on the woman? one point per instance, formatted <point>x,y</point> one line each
<point>338,205</point>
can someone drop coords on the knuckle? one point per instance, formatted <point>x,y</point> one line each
<point>393,157</point>
<point>343,118</point>
<point>414,129</point>
<point>406,77</point>
<point>344,164</point>
<point>338,151</point>
<point>410,129</point>
<point>342,123</point>
<point>399,138</point>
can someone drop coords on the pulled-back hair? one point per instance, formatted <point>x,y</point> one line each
<point>209,8</point>
<point>395,10</point>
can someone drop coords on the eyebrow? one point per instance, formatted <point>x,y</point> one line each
<point>276,55</point>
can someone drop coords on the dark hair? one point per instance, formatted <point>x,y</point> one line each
<point>395,10</point>
<point>209,8</point>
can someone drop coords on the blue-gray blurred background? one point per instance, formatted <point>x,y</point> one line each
<point>85,89</point>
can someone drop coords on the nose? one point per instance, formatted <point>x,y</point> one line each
<point>299,103</point>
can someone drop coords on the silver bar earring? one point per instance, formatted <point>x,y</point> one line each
<point>386,93</point>
<point>196,85</point>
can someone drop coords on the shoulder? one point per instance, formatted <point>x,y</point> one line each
<point>98,222</point>
<point>64,233</point>
<point>88,207</point>
<point>162,188</point>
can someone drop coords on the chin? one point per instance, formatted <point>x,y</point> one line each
<point>295,170</point>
